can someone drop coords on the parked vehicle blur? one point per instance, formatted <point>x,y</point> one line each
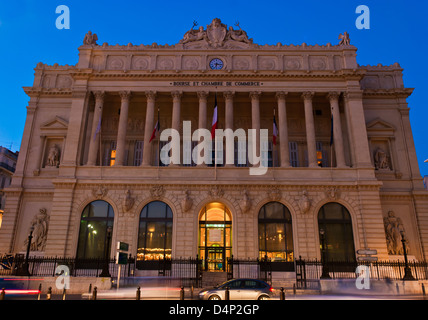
<point>239,289</point>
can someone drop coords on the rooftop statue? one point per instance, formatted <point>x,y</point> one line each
<point>216,35</point>
<point>90,39</point>
<point>344,39</point>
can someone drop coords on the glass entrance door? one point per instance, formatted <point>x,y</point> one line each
<point>215,236</point>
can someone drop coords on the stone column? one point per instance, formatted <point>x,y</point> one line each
<point>337,129</point>
<point>310,129</point>
<point>255,117</point>
<point>121,133</point>
<point>148,128</point>
<point>176,116</point>
<point>202,122</point>
<point>283,130</point>
<point>230,147</point>
<point>357,129</point>
<point>94,142</point>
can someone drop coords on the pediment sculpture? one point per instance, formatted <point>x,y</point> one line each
<point>216,35</point>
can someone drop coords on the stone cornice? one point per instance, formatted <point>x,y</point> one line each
<point>393,93</point>
<point>254,47</point>
<point>340,74</point>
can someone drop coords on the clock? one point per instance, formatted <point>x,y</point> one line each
<point>216,64</point>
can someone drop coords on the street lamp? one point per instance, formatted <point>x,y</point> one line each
<point>407,272</point>
<point>24,269</point>
<point>325,273</point>
<point>105,272</point>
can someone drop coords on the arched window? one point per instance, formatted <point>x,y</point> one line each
<point>275,233</point>
<point>155,233</point>
<point>335,222</point>
<point>96,225</point>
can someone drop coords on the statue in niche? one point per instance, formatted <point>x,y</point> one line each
<point>53,156</point>
<point>344,39</point>
<point>90,39</point>
<point>393,229</point>
<point>39,225</point>
<point>381,159</point>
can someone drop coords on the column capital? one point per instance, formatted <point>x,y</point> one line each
<point>308,95</point>
<point>125,95</point>
<point>228,94</point>
<point>255,94</point>
<point>99,95</point>
<point>176,94</point>
<point>203,94</point>
<point>281,95</point>
<point>333,95</point>
<point>151,95</point>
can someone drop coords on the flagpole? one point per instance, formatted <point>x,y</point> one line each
<point>273,147</point>
<point>215,139</point>
<point>100,154</point>
<point>158,144</point>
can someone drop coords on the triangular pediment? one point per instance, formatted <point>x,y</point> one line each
<point>379,125</point>
<point>57,123</point>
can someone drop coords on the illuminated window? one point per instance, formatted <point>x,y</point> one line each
<point>109,152</point>
<point>275,233</point>
<point>112,157</point>
<point>155,233</point>
<point>96,218</point>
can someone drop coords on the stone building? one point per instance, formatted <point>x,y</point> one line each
<point>7,168</point>
<point>343,161</point>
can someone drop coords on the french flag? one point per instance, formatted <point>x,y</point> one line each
<point>275,131</point>
<point>156,129</point>
<point>214,123</point>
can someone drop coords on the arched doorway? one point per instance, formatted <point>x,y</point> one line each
<point>96,226</point>
<point>335,226</point>
<point>275,233</point>
<point>154,235</point>
<point>215,236</point>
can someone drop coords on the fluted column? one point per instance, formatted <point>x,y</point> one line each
<point>148,128</point>
<point>94,142</point>
<point>283,130</point>
<point>310,129</point>
<point>337,129</point>
<point>121,133</point>
<point>230,147</point>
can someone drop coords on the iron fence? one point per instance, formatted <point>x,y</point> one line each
<point>78,267</point>
<point>256,268</point>
<point>187,270</point>
<point>308,272</point>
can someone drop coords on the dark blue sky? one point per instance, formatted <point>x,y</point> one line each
<point>398,33</point>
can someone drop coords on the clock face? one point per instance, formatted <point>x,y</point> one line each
<point>216,64</point>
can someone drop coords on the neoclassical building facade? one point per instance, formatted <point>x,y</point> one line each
<point>342,162</point>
